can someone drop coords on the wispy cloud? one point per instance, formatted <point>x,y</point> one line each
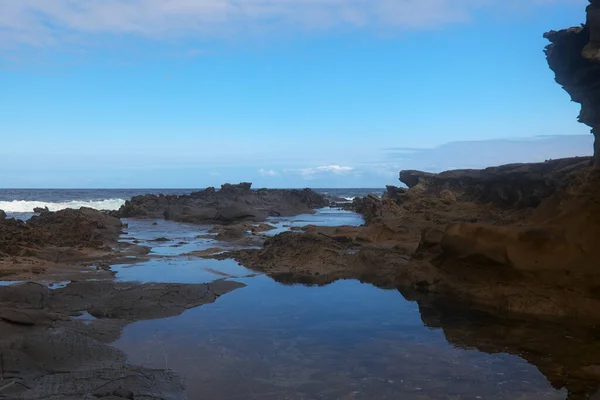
<point>267,172</point>
<point>310,173</point>
<point>42,22</point>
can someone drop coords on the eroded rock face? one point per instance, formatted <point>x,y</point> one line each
<point>574,56</point>
<point>231,204</point>
<point>509,186</point>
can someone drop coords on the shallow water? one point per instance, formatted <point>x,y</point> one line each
<point>347,340</point>
<point>323,217</point>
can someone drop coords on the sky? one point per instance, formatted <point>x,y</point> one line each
<point>282,93</point>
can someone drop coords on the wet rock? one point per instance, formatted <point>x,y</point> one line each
<point>2,215</point>
<point>41,210</point>
<point>129,301</point>
<point>231,204</point>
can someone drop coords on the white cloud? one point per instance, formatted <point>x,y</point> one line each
<point>336,169</point>
<point>333,169</point>
<point>267,172</point>
<point>54,21</point>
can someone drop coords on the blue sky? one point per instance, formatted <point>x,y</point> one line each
<point>190,93</point>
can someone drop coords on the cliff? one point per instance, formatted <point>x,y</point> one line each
<point>574,56</point>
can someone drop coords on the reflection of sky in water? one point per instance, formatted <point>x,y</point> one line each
<point>323,217</point>
<point>8,283</point>
<point>179,270</point>
<point>181,238</point>
<point>344,341</point>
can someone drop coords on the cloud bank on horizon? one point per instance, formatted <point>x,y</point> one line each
<point>376,170</point>
<point>43,22</point>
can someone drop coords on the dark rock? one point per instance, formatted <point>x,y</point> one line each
<point>513,185</point>
<point>160,239</point>
<point>66,228</point>
<point>230,204</point>
<point>394,193</point>
<point>574,56</point>
<point>2,215</point>
<point>41,210</point>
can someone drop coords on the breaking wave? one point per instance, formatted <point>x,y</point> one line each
<point>24,206</point>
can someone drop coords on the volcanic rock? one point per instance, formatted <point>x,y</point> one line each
<point>72,229</point>
<point>230,204</point>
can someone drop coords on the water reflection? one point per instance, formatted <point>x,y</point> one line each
<point>179,270</point>
<point>346,340</point>
<point>321,217</point>
<point>567,353</point>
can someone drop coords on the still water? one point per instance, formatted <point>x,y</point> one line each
<point>346,340</point>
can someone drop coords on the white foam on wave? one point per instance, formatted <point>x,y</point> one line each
<point>349,198</point>
<point>24,206</point>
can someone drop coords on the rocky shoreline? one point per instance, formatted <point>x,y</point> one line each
<point>517,242</point>
<point>54,342</point>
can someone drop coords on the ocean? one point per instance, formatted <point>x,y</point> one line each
<point>21,202</point>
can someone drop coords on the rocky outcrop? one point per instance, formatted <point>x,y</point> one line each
<point>230,204</point>
<point>83,228</point>
<point>509,186</point>
<point>574,56</point>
